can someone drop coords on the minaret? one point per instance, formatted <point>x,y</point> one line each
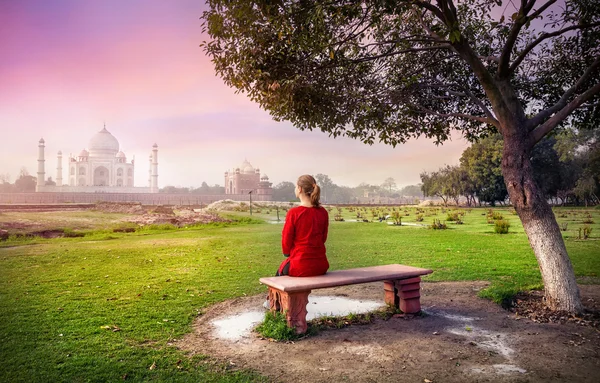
<point>59,169</point>
<point>41,173</point>
<point>154,185</point>
<point>150,171</point>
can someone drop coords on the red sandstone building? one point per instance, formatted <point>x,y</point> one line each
<point>246,179</point>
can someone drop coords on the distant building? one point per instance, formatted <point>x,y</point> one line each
<point>102,167</point>
<point>246,179</point>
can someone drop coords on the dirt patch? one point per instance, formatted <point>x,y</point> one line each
<point>460,338</point>
<point>178,218</point>
<point>120,207</point>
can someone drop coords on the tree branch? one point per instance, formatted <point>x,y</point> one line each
<point>485,120</point>
<point>387,54</point>
<point>543,115</point>
<point>543,37</point>
<point>522,19</point>
<point>538,133</point>
<point>540,10</point>
<point>431,8</point>
<point>478,102</point>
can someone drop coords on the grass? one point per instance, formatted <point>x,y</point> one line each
<point>275,326</point>
<point>110,305</point>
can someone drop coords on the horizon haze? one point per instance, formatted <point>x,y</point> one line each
<point>70,67</point>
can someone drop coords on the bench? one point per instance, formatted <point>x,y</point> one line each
<point>401,285</point>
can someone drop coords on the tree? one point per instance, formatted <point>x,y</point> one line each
<point>25,183</point>
<point>284,191</point>
<point>389,184</point>
<point>411,191</point>
<point>4,178</point>
<point>326,186</point>
<point>482,162</point>
<point>204,189</point>
<point>342,194</point>
<point>393,70</point>
<point>434,185</point>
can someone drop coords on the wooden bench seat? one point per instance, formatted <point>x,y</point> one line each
<point>401,285</point>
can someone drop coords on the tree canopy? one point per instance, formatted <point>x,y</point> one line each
<point>392,70</point>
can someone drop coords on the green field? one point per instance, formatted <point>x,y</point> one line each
<point>108,306</point>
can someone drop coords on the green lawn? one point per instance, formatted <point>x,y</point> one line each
<point>107,306</point>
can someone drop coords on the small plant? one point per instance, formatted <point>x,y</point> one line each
<point>275,327</point>
<point>501,226</point>
<point>419,218</point>
<point>584,232</point>
<point>588,221</point>
<point>455,216</point>
<point>397,217</point>
<point>437,225</point>
<point>493,216</point>
<point>563,226</point>
<point>338,217</point>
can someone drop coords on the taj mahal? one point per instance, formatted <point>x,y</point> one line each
<point>102,167</point>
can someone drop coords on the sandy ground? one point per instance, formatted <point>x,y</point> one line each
<point>462,338</point>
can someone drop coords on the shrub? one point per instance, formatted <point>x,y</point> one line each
<point>419,218</point>
<point>275,326</point>
<point>588,221</point>
<point>437,225</point>
<point>493,216</point>
<point>584,232</point>
<point>452,216</point>
<point>563,226</point>
<point>397,217</point>
<point>501,226</point>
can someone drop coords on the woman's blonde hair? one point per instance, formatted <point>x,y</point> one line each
<point>309,186</point>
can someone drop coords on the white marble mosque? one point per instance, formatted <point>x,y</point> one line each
<point>102,167</point>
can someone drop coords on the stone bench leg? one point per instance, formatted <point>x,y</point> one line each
<point>293,305</point>
<point>404,294</point>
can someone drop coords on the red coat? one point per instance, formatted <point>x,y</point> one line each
<point>303,238</point>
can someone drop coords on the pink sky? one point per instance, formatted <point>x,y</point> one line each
<point>68,67</point>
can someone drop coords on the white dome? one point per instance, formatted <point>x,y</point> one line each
<point>103,144</point>
<point>247,168</point>
<point>84,153</point>
<point>121,155</point>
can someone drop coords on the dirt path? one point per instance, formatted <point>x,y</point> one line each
<point>462,338</point>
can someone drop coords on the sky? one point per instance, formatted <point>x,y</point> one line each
<point>69,67</point>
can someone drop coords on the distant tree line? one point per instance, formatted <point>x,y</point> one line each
<point>204,189</point>
<point>567,169</point>
<point>338,194</point>
<point>25,183</point>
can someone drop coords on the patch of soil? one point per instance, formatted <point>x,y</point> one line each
<point>178,218</point>
<point>461,338</point>
<point>48,233</point>
<point>120,207</point>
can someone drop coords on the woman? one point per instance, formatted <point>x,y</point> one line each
<point>305,232</point>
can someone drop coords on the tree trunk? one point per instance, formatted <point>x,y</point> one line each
<point>561,291</point>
